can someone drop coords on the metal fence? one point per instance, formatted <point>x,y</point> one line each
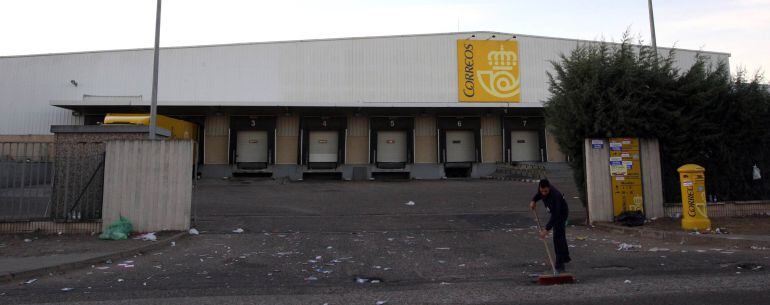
<point>26,180</point>
<point>37,184</point>
<point>725,209</point>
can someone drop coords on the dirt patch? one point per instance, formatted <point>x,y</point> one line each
<point>750,225</point>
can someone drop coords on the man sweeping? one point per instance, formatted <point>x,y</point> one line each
<point>557,206</point>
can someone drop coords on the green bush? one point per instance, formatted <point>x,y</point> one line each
<point>700,115</point>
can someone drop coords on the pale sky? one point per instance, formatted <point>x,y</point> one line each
<point>739,27</point>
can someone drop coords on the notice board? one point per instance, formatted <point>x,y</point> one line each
<point>626,175</point>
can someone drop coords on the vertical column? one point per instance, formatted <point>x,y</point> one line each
<point>425,150</point>
<point>552,149</point>
<point>287,139</point>
<point>216,137</point>
<point>358,140</point>
<point>491,139</point>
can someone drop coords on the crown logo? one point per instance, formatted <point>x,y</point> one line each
<point>502,60</point>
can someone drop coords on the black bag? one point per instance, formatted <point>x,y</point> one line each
<point>631,218</point>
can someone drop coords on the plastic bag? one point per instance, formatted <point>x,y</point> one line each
<point>756,174</point>
<point>118,230</point>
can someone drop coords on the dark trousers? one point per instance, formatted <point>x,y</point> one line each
<point>560,244</point>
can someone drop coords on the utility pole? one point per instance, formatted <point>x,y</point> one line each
<point>154,102</point>
<point>652,28</point>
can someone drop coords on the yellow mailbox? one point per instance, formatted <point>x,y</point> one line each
<point>693,186</point>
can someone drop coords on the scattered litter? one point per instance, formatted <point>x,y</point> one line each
<point>147,236</point>
<point>173,244</point>
<point>410,203</point>
<point>700,251</point>
<point>329,248</point>
<point>628,247</point>
<point>65,289</point>
<point>758,248</point>
<point>381,302</point>
<point>30,281</point>
<point>627,281</point>
<point>103,268</point>
<point>318,257</point>
<point>442,262</point>
<point>27,240</point>
<point>311,278</point>
<point>372,280</point>
<point>656,249</point>
<point>695,233</point>
<point>238,230</point>
<point>120,280</point>
<point>721,231</point>
<point>581,238</point>
<point>194,231</point>
<point>749,266</point>
<point>442,248</point>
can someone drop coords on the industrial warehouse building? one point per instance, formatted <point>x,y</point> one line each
<point>419,105</point>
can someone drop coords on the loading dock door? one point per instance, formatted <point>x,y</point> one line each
<point>252,147</point>
<point>323,146</point>
<point>525,146</point>
<point>460,146</point>
<point>391,146</point>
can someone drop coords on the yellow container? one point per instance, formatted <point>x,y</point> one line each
<point>179,129</point>
<point>693,184</point>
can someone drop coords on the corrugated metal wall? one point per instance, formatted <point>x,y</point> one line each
<point>216,139</point>
<point>425,146</point>
<point>287,140</point>
<point>148,182</point>
<point>362,72</point>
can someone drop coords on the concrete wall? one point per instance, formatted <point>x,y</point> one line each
<point>287,140</point>
<point>491,139</point>
<point>425,149</point>
<point>652,178</point>
<point>148,182</point>
<point>598,185</point>
<point>552,149</point>
<point>357,149</point>
<point>216,139</point>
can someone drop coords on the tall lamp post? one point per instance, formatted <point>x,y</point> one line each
<point>154,101</point>
<point>652,28</point>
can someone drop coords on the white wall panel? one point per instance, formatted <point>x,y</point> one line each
<point>148,182</point>
<point>396,71</point>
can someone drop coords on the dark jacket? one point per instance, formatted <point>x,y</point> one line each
<point>556,205</point>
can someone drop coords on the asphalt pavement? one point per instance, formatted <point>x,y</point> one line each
<point>360,243</point>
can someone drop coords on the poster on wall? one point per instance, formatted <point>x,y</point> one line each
<point>626,175</point>
<point>488,71</point>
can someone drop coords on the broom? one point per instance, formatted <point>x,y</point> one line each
<point>556,278</point>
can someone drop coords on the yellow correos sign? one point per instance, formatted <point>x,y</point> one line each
<point>488,71</point>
